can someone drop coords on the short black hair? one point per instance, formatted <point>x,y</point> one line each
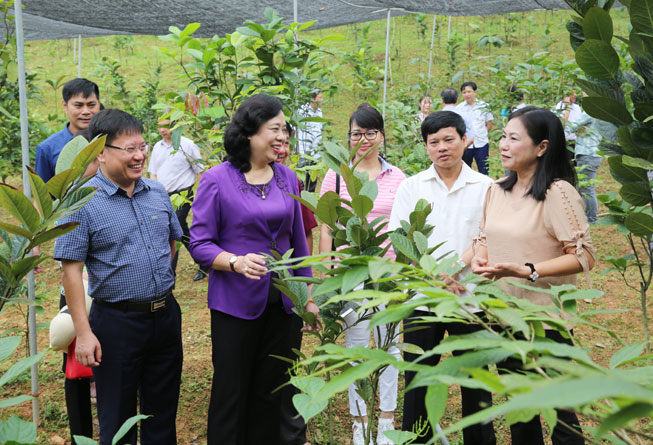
<point>516,93</point>
<point>468,84</point>
<point>80,86</point>
<point>366,116</point>
<point>113,123</point>
<point>248,118</point>
<point>449,96</point>
<point>438,120</point>
<point>555,163</point>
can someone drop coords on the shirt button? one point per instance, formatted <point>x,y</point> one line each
<point>149,247</point>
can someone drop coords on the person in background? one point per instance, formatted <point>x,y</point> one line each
<point>243,209</point>
<point>425,103</point>
<point>457,194</point>
<point>126,237</point>
<point>534,231</point>
<point>178,170</point>
<point>517,100</point>
<point>309,136</point>
<point>449,100</point>
<point>366,135</point>
<point>479,114</point>
<point>570,113</point>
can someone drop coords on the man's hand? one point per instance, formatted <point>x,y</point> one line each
<point>88,351</point>
<point>314,309</point>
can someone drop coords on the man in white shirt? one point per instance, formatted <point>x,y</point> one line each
<point>571,114</point>
<point>177,170</point>
<point>457,194</point>
<point>479,114</point>
<point>449,100</point>
<point>309,136</point>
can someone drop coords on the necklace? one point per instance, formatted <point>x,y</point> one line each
<point>261,189</point>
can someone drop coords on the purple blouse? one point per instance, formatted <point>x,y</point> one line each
<point>229,215</point>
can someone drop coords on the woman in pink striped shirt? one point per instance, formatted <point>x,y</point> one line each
<point>367,135</point>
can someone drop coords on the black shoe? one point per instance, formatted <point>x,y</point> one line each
<point>200,275</point>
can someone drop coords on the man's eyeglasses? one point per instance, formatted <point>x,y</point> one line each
<point>130,150</point>
<point>369,135</point>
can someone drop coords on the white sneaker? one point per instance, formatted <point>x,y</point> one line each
<point>384,425</point>
<point>358,438</point>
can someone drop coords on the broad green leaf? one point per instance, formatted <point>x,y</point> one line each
<point>19,367</point>
<point>597,24</point>
<point>420,241</point>
<point>18,431</point>
<point>58,184</point>
<point>550,416</point>
<point>362,205</point>
<point>400,437</point>
<point>326,208</point>
<point>625,173</point>
<point>353,277</point>
<point>637,162</point>
<point>597,59</point>
<point>436,403</point>
<point>307,407</point>
<point>636,193</point>
<point>370,189</point>
<point>641,16</point>
<point>626,354</point>
<point>330,284</point>
<point>22,267</point>
<point>380,267</point>
<point>607,109</point>
<point>595,88</point>
<point>20,207</point>
<point>8,345</point>
<point>40,193</point>
<point>625,415</point>
<point>89,153</point>
<point>523,415</point>
<point>403,245</point>
<point>640,224</point>
<point>16,230</point>
<point>53,233</point>
<point>81,440</point>
<point>6,403</point>
<point>69,152</point>
<point>124,429</point>
<point>354,184</point>
<point>342,381</point>
<point>310,198</point>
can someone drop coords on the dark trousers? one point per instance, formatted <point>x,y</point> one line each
<point>530,433</point>
<point>78,400</point>
<point>473,400</point>
<point>293,427</point>
<point>141,355</point>
<point>243,409</point>
<point>182,216</point>
<point>480,154</point>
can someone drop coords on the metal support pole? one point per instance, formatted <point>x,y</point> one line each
<point>294,11</point>
<point>74,50</point>
<point>449,29</point>
<point>24,139</point>
<point>79,53</point>
<point>428,77</point>
<point>387,54</point>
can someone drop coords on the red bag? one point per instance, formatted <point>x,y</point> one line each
<point>74,369</point>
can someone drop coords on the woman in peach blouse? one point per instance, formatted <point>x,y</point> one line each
<point>534,230</point>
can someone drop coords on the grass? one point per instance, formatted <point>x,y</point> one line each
<point>409,62</point>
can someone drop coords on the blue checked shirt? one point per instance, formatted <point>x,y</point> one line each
<point>125,242</point>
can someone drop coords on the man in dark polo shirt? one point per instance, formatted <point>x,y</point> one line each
<point>126,238</point>
<point>81,100</point>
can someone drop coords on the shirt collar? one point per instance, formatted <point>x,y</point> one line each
<point>385,165</point>
<point>111,189</point>
<point>466,176</point>
<point>67,130</point>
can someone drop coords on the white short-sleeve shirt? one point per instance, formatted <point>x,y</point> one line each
<point>479,114</point>
<point>176,170</point>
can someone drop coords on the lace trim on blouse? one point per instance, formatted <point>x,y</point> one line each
<point>579,241</point>
<point>246,187</point>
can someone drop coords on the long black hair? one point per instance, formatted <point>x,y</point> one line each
<point>555,163</point>
<point>252,113</point>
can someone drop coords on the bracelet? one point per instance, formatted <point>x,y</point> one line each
<point>310,300</point>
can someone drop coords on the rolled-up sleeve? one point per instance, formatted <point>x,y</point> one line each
<point>204,237</point>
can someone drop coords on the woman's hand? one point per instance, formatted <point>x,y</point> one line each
<point>315,310</point>
<point>480,267</point>
<point>252,266</point>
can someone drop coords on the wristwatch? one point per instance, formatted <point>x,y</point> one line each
<point>534,275</point>
<point>232,262</point>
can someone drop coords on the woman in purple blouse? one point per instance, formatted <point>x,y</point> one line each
<point>242,209</point>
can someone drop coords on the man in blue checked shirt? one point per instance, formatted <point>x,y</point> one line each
<point>126,238</point>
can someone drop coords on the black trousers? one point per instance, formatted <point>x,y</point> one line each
<point>78,400</point>
<point>473,400</point>
<point>141,355</point>
<point>182,215</point>
<point>293,427</point>
<point>243,409</point>
<point>530,433</point>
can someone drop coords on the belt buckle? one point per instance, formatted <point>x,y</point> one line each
<point>158,304</point>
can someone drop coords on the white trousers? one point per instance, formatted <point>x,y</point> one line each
<point>359,335</point>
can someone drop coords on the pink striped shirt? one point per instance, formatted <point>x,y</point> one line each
<point>388,181</point>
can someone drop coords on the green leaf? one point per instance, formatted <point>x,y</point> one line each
<point>13,401</point>
<point>421,241</point>
<point>69,152</point>
<point>362,205</point>
<point>18,431</point>
<point>626,354</point>
<point>400,437</point>
<point>370,189</point>
<point>8,345</point>
<point>58,184</point>
<point>81,440</point>
<point>607,109</point>
<point>18,368</point>
<point>124,429</point>
<point>16,230</point>
<point>625,415</point>
<point>595,88</point>
<point>53,233</point>
<point>342,381</point>
<point>89,153</point>
<point>636,193</point>
<point>403,245</point>
<point>20,207</point>
<point>640,224</point>
<point>597,59</point>
<point>641,16</point>
<point>436,403</point>
<point>331,284</point>
<point>353,277</point>
<point>40,193</point>
<point>597,24</point>
<point>304,403</point>
<point>326,208</point>
<point>22,267</point>
<point>625,173</point>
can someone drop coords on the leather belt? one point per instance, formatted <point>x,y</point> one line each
<point>130,306</point>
